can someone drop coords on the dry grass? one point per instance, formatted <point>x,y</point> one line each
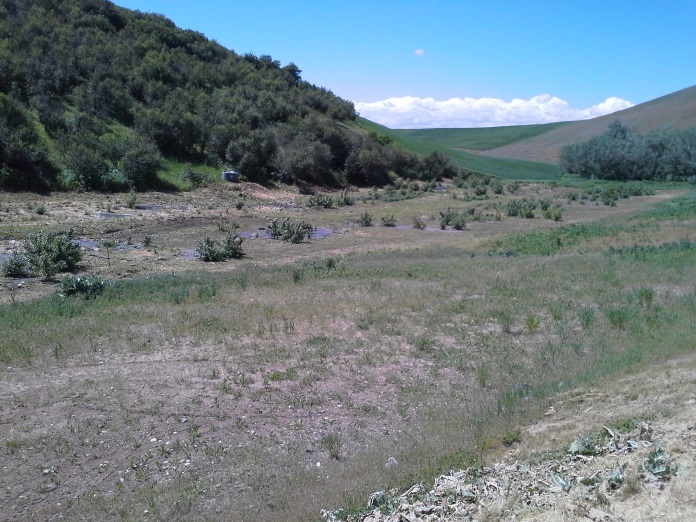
<point>216,389</point>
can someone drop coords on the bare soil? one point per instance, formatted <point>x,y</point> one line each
<point>76,431</point>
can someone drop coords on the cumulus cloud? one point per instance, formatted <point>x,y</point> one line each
<point>419,52</point>
<point>427,113</point>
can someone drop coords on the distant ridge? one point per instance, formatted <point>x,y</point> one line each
<point>676,110</point>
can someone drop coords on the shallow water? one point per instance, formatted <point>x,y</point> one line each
<point>91,243</point>
<point>111,215</point>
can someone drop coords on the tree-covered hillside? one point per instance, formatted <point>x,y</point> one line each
<point>94,96</point>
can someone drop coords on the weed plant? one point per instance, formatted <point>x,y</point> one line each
<point>344,199</point>
<point>553,212</point>
<point>419,224</point>
<point>15,266</point>
<point>291,232</point>
<point>209,250</point>
<point>89,287</point>
<point>46,254</point>
<point>521,208</point>
<point>320,201</point>
<point>131,199</point>
<point>365,219</point>
<point>388,221</point>
<point>452,218</point>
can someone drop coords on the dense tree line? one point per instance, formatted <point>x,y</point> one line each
<point>623,153</point>
<point>93,96</point>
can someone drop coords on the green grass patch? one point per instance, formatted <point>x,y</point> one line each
<point>679,208</point>
<point>172,173</point>
<point>550,242</point>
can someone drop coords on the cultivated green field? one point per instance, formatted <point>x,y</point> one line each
<point>500,167</point>
<point>480,138</point>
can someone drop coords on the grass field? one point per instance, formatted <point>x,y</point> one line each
<point>271,387</point>
<point>479,138</point>
<point>415,141</point>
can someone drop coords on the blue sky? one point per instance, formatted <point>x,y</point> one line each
<point>408,63</point>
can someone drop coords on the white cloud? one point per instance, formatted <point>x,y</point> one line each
<point>426,113</point>
<point>419,52</point>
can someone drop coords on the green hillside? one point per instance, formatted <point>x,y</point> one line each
<point>97,97</point>
<point>480,138</point>
<point>500,167</point>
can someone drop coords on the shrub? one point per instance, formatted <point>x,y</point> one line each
<point>389,221</point>
<point>451,217</point>
<point>320,200</point>
<point>497,187</point>
<point>112,181</point>
<point>623,153</point>
<point>209,250</point>
<point>521,207</point>
<point>291,232</point>
<point>344,200</point>
<point>15,266</point>
<point>365,219</point>
<point>459,222</point>
<point>446,218</point>
<point>418,223</point>
<point>131,198</point>
<point>87,286</point>
<point>232,246</point>
<point>192,178</point>
<point>512,437</point>
<point>48,254</point>
<point>554,212</point>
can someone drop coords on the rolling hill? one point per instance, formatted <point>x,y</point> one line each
<point>462,155</point>
<point>541,144</point>
<point>676,110</point>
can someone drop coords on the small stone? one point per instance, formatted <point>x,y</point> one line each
<point>391,463</point>
<point>598,515</point>
<point>47,488</point>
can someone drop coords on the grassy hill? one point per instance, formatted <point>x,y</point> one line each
<point>481,139</point>
<point>541,144</point>
<point>427,141</point>
<point>676,110</point>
